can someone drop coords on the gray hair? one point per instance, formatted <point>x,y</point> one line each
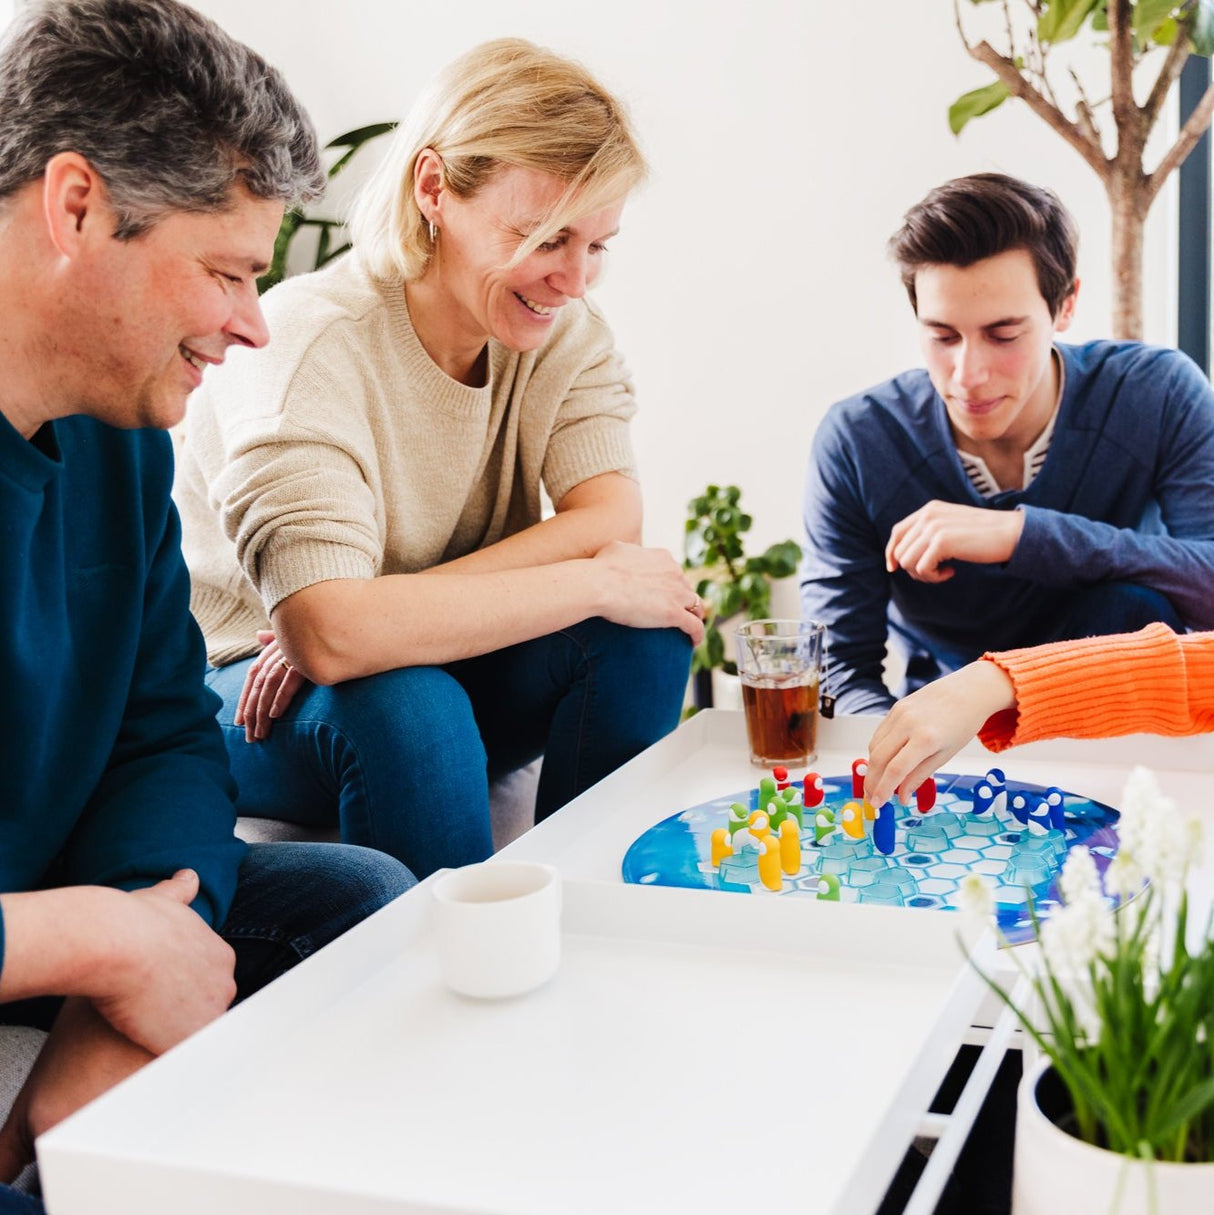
<point>170,110</point>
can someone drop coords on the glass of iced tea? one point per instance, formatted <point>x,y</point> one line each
<point>779,662</point>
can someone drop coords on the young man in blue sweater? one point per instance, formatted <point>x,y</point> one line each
<point>1016,491</point>
<point>145,160</point>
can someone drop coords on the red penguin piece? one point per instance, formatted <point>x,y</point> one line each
<point>925,796</point>
<point>859,770</point>
<point>814,790</point>
<point>781,775</point>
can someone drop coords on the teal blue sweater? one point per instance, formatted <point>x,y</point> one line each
<point>112,768</point>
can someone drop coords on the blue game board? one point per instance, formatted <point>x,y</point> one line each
<point>931,854</point>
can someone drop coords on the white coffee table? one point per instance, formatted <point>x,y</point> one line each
<point>696,1052</point>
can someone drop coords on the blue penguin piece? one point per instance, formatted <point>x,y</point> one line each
<point>1057,804</point>
<point>1020,808</point>
<point>1039,817</point>
<point>984,797</point>
<point>883,829</point>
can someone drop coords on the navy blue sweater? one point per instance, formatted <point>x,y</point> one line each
<point>112,768</point>
<point>1126,494</point>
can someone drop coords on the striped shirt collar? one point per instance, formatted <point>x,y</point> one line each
<point>1034,457</point>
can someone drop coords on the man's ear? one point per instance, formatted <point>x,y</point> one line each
<point>428,184</point>
<point>1066,310</point>
<point>74,202</point>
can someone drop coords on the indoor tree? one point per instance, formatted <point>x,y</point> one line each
<point>1147,44</point>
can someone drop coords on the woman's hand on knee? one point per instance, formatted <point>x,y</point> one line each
<point>269,686</point>
<point>645,588</point>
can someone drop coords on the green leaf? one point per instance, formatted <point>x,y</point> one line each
<point>729,600</point>
<point>1149,15</point>
<point>782,559</point>
<point>1063,19</point>
<point>330,254</point>
<point>353,140</point>
<point>976,103</point>
<point>1100,18</point>
<point>1167,33</point>
<point>1200,28</point>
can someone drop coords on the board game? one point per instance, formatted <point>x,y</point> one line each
<point>818,838</point>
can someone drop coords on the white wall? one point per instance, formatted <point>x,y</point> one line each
<point>749,288</point>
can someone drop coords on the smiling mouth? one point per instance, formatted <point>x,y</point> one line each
<point>193,359</point>
<point>538,309</point>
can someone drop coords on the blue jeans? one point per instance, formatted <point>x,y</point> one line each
<point>1094,611</point>
<point>291,899</point>
<point>402,760</point>
<point>1111,607</point>
<point>13,1202</point>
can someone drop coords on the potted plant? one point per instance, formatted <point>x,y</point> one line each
<point>731,584</point>
<point>1118,1115</point>
<point>295,222</point>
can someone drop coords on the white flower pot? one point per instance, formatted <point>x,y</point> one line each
<point>1055,1173</point>
<point>726,691</point>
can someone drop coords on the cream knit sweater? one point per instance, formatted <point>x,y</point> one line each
<point>342,451</point>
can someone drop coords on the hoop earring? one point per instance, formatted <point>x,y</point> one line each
<point>433,233</point>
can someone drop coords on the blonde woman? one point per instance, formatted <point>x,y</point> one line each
<point>391,619</point>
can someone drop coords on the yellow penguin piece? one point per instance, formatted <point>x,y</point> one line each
<point>769,863</point>
<point>721,847</point>
<point>760,824</point>
<point>852,820</point>
<point>790,847</point>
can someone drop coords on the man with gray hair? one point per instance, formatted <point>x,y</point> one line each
<point>145,161</point>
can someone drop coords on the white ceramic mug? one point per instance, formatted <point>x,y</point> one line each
<point>498,926</point>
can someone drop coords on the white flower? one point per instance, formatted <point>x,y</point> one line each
<point>1079,878</point>
<point>1196,839</point>
<point>1138,809</point>
<point>1124,877</point>
<point>1077,934</point>
<point>975,899</point>
<point>976,902</point>
<point>1167,853</point>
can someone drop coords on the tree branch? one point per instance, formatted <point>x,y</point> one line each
<point>1178,53</point>
<point>1006,70</point>
<point>1190,133</point>
<point>1121,65</point>
<point>1085,110</point>
<point>961,28</point>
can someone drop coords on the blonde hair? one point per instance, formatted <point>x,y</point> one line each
<point>506,102</point>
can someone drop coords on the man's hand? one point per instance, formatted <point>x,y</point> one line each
<point>170,974</point>
<point>927,728</point>
<point>924,542</point>
<point>82,1058</point>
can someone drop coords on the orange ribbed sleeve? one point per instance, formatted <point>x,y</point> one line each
<point>1151,682</point>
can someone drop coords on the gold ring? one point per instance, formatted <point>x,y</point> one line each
<point>282,662</point>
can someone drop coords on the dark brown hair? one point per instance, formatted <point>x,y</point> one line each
<point>971,218</point>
